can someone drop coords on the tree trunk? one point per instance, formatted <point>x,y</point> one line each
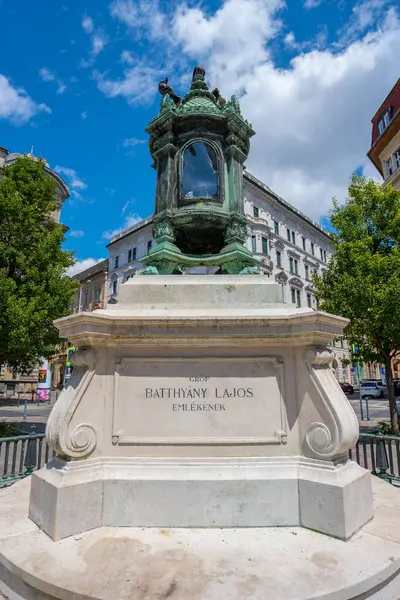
<point>392,401</point>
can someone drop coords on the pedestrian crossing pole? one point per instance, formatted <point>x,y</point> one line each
<point>359,390</point>
<point>355,353</point>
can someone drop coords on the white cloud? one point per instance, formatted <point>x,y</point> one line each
<point>73,180</point>
<point>99,40</point>
<point>61,87</point>
<point>312,3</point>
<point>131,142</point>
<point>84,114</point>
<point>87,24</point>
<point>46,74</point>
<point>129,221</point>
<point>138,85</point>
<point>144,18</point>
<point>78,233</point>
<point>127,57</point>
<point>366,14</point>
<point>16,105</point>
<point>82,265</point>
<point>312,119</point>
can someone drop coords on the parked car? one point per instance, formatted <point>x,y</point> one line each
<point>371,389</point>
<point>381,386</point>
<point>346,387</point>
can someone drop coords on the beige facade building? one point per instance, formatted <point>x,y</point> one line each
<point>94,285</point>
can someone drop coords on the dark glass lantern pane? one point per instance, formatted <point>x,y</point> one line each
<point>200,175</point>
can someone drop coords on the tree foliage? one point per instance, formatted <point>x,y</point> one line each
<point>34,289</point>
<point>362,281</point>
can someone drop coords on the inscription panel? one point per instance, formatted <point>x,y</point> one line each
<point>198,401</point>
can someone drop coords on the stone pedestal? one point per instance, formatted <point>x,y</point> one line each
<point>201,401</point>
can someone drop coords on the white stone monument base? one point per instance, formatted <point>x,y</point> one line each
<point>111,563</point>
<point>68,498</point>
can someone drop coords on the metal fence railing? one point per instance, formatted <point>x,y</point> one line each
<point>21,455</point>
<point>380,454</point>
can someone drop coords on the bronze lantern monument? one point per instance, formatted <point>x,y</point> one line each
<point>199,145</point>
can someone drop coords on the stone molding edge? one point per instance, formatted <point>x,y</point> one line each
<point>190,469</point>
<point>342,434</point>
<point>82,439</point>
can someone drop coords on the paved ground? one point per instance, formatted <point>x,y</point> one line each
<point>378,408</point>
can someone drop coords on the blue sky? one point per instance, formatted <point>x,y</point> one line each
<point>78,81</point>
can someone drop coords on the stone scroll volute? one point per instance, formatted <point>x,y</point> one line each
<point>340,431</point>
<point>73,442</point>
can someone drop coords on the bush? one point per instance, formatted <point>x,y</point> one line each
<point>385,428</point>
<point>6,429</point>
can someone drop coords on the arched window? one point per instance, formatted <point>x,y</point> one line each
<point>200,173</point>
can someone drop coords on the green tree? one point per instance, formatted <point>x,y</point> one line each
<point>34,289</point>
<point>362,281</point>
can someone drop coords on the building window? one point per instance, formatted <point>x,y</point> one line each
<point>278,258</point>
<point>288,233</point>
<point>115,287</point>
<point>291,264</point>
<point>97,294</point>
<point>255,211</point>
<point>298,298</point>
<point>321,253</point>
<point>397,158</point>
<point>293,291</point>
<point>296,266</point>
<point>324,255</point>
<point>116,262</point>
<point>129,256</point>
<point>307,270</point>
<point>293,237</point>
<point>309,303</point>
<point>253,244</point>
<point>264,245</point>
<point>389,167</point>
<point>133,253</point>
<point>384,121</point>
<point>276,227</point>
<point>303,241</point>
<point>312,248</point>
<point>149,243</point>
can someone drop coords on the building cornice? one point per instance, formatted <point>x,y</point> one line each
<point>394,88</point>
<point>134,228</point>
<point>261,186</point>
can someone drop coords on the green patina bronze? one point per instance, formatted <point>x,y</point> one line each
<point>199,145</point>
